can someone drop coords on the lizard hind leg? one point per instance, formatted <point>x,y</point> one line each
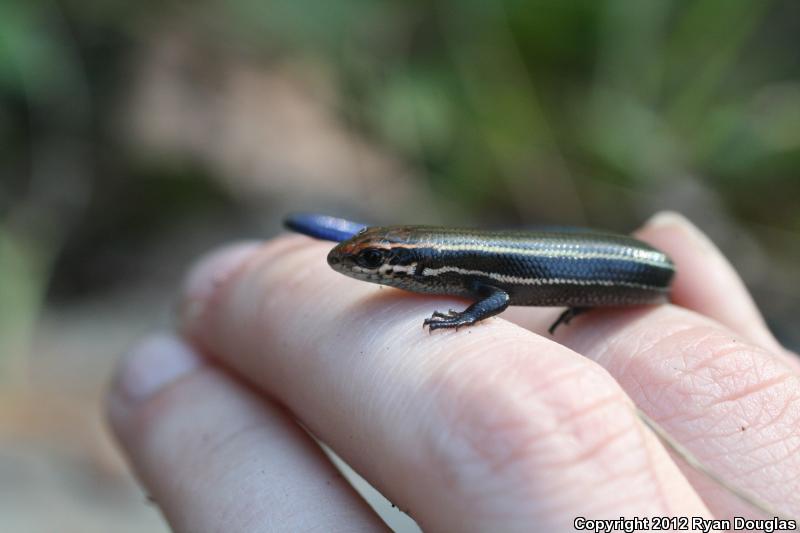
<point>566,317</point>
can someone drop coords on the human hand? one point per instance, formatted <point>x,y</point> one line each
<point>496,427</point>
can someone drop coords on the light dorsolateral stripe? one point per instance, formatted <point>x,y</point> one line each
<point>505,278</point>
<point>387,268</point>
<point>648,257</point>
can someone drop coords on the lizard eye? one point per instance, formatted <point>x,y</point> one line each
<point>370,258</point>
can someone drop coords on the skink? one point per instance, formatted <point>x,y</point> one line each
<point>579,269</point>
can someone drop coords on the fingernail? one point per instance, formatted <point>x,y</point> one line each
<point>206,276</point>
<point>666,218</point>
<point>152,365</point>
<point>678,222</point>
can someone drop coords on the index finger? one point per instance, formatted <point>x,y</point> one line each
<point>705,281</point>
<point>470,429</point>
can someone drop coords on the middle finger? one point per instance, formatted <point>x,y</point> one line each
<point>733,404</point>
<point>465,429</point>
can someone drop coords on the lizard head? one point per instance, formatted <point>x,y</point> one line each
<point>385,255</point>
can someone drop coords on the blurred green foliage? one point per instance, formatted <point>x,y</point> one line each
<point>527,92</point>
<point>477,90</point>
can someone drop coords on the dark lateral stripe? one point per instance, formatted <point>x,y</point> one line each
<point>531,280</point>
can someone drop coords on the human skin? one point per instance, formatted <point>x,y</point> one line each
<point>495,427</point>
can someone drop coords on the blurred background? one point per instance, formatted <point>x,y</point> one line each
<point>136,135</point>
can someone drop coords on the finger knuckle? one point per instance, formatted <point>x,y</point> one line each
<point>521,425</point>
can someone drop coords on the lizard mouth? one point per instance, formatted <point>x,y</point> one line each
<point>336,258</point>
